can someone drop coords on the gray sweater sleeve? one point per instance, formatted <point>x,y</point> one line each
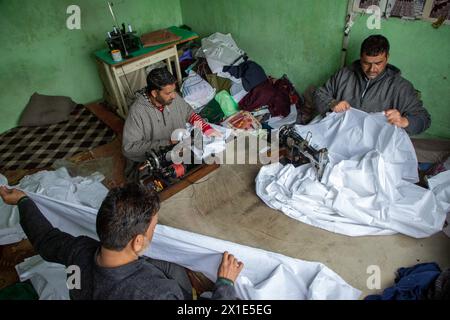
<point>325,96</point>
<point>134,144</point>
<point>411,107</point>
<point>186,109</point>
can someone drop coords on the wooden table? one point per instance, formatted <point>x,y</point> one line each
<point>111,71</point>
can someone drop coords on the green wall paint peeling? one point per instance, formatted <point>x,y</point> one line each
<point>40,54</point>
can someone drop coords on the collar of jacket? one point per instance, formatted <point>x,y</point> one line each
<point>147,97</point>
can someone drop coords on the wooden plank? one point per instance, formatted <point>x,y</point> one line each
<point>191,178</point>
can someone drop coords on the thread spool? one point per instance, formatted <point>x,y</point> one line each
<point>179,170</point>
<point>116,55</point>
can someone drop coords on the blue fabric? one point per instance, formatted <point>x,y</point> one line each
<point>411,283</point>
<point>424,166</point>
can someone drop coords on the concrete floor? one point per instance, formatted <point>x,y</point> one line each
<point>224,205</point>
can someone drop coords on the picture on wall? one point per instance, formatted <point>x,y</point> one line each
<point>363,5</point>
<point>440,8</point>
<point>431,10</point>
<point>407,9</point>
<point>437,10</point>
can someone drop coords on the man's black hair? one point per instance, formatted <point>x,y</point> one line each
<point>375,45</point>
<point>125,213</point>
<point>159,78</point>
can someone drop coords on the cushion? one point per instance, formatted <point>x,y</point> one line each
<point>44,110</point>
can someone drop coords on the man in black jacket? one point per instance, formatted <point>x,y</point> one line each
<point>372,85</point>
<point>112,267</point>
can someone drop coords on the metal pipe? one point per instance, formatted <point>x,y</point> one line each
<point>110,4</point>
<point>348,25</point>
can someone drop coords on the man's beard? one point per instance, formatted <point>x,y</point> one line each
<point>163,102</point>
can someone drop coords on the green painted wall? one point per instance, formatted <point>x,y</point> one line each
<point>39,53</point>
<point>303,39</point>
<point>423,55</point>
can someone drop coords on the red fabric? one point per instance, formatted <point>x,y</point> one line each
<point>196,120</point>
<point>270,94</point>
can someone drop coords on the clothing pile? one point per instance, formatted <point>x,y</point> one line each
<point>237,83</point>
<point>424,281</point>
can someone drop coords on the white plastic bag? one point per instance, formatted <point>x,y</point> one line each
<point>197,91</point>
<point>221,50</point>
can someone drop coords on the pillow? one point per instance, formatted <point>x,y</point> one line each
<point>44,110</point>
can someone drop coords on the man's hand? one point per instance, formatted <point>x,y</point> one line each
<point>230,267</point>
<point>394,117</point>
<point>11,196</point>
<point>341,107</point>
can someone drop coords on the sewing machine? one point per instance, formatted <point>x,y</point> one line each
<point>167,178</point>
<point>121,39</point>
<point>300,151</point>
<point>125,41</point>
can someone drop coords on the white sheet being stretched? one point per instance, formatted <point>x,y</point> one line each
<point>58,184</point>
<point>266,275</point>
<point>368,186</point>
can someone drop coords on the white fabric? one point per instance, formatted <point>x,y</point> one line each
<point>88,191</point>
<point>367,188</point>
<point>208,145</point>
<point>237,91</point>
<point>221,50</point>
<point>266,275</point>
<point>196,91</point>
<point>277,122</point>
<point>48,279</point>
<point>10,231</point>
<point>440,185</point>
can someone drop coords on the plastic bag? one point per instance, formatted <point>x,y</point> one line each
<point>221,50</point>
<point>197,91</point>
<point>243,121</point>
<point>227,103</point>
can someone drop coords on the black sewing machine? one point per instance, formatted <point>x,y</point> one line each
<point>300,151</point>
<point>125,41</point>
<point>159,172</point>
<point>121,39</point>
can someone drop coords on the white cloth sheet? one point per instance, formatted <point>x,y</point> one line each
<point>278,122</point>
<point>58,184</point>
<point>367,188</point>
<point>266,275</point>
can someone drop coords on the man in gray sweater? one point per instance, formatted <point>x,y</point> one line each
<point>156,113</point>
<point>113,268</point>
<point>372,85</point>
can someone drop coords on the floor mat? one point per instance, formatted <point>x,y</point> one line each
<point>39,147</point>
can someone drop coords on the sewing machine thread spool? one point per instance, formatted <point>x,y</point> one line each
<point>116,55</point>
<point>179,170</point>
